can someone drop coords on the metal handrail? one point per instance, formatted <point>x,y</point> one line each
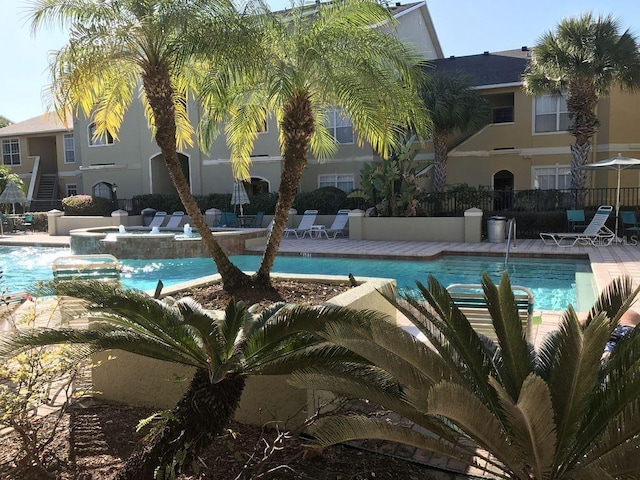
<point>512,230</point>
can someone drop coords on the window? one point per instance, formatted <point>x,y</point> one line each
<point>343,182</point>
<point>502,115</point>
<point>11,151</point>
<point>72,189</point>
<point>340,126</point>
<point>98,141</point>
<point>551,114</point>
<point>102,190</point>
<point>69,149</point>
<point>552,178</point>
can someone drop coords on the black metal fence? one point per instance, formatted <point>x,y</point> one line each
<point>456,201</point>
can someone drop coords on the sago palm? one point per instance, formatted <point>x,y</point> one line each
<point>585,56</point>
<point>554,413</point>
<point>453,107</point>
<point>222,350</point>
<point>332,55</point>
<point>158,47</point>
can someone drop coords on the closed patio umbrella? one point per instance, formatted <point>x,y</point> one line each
<point>239,196</point>
<point>616,163</point>
<point>12,194</point>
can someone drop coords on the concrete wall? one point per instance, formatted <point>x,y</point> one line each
<point>127,378</point>
<point>423,229</point>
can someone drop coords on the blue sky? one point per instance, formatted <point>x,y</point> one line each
<point>464,27</point>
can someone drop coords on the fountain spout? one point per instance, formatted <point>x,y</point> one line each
<point>155,230</point>
<point>122,229</point>
<point>188,231</point>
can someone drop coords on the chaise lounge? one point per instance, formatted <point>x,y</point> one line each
<point>596,234</point>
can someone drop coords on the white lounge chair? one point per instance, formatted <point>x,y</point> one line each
<point>158,219</point>
<point>305,225</point>
<point>175,220</point>
<point>336,228</point>
<point>596,233</point>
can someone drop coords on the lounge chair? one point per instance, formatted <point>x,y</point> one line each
<point>576,220</point>
<point>228,219</point>
<point>338,226</point>
<point>471,301</point>
<point>305,225</point>
<point>630,223</point>
<point>158,219</point>
<point>257,221</point>
<point>596,233</point>
<point>175,220</point>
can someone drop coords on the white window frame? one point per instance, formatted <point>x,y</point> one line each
<point>336,119</point>
<point>71,189</point>
<point>334,180</point>
<point>558,113</point>
<point>98,142</point>
<point>102,187</point>
<point>560,171</point>
<point>69,153</point>
<point>12,142</point>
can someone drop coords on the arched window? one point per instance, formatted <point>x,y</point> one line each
<point>95,141</point>
<point>102,190</point>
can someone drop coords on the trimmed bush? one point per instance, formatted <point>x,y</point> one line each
<point>78,205</point>
<point>327,200</point>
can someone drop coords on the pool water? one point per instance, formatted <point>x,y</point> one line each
<point>554,282</point>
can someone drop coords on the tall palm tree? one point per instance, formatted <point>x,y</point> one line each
<point>315,59</point>
<point>223,351</point>
<point>453,107</point>
<point>585,56</point>
<point>159,47</point>
<point>548,414</point>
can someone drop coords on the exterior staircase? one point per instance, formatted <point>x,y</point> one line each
<point>46,196</point>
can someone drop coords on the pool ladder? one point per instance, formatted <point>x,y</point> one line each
<point>510,237</point>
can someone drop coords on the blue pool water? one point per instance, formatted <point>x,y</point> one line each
<point>553,281</point>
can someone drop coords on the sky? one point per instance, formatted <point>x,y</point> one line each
<point>464,27</point>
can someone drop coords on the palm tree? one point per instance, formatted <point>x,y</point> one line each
<point>555,413</point>
<point>454,107</point>
<point>223,351</point>
<point>157,46</point>
<point>585,56</point>
<point>315,59</point>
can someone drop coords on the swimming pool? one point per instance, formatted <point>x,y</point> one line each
<point>553,281</point>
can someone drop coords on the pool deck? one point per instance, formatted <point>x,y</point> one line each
<point>607,263</point>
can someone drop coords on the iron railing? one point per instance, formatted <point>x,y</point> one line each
<point>455,202</point>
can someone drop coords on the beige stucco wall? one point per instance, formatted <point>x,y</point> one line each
<point>425,229</point>
<point>127,378</point>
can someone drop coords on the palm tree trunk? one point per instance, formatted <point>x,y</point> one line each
<point>200,415</point>
<point>581,104</point>
<point>297,127</point>
<point>440,165</point>
<point>159,92</point>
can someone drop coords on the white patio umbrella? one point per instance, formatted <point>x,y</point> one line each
<point>12,194</point>
<point>239,196</point>
<point>616,163</point>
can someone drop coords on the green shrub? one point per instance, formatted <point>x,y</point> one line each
<point>86,205</point>
<point>327,200</point>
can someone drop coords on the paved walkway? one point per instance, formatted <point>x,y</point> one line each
<point>607,263</point>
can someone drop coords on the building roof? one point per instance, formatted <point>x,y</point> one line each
<point>489,68</point>
<point>45,123</point>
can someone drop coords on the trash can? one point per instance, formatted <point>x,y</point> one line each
<point>495,229</point>
<point>147,216</point>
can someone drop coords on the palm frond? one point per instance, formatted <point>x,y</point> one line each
<point>459,405</point>
<point>514,351</point>
<point>329,431</point>
<point>532,424</point>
